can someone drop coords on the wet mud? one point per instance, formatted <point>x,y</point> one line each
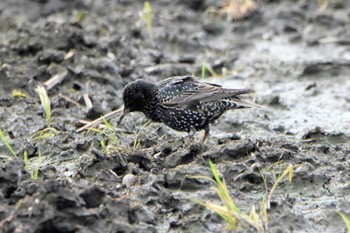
<point>295,54</point>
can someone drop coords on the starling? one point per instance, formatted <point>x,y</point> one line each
<point>182,103</point>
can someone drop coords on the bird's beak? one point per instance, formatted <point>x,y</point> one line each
<point>125,111</point>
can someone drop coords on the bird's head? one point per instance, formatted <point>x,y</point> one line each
<point>137,96</point>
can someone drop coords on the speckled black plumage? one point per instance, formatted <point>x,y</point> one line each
<point>182,103</point>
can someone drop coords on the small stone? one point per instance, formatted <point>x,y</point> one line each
<point>129,180</point>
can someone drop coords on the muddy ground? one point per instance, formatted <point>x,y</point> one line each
<point>294,54</point>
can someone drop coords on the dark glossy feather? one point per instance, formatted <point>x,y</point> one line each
<point>182,90</point>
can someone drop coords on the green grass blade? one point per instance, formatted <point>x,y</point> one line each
<point>111,136</point>
<point>203,70</point>
<point>108,125</point>
<point>25,160</point>
<point>222,190</point>
<point>146,16</point>
<point>288,171</point>
<point>36,171</point>
<point>136,140</point>
<point>7,144</point>
<point>45,102</point>
<point>44,133</point>
<point>346,220</point>
<point>215,172</point>
<point>211,70</point>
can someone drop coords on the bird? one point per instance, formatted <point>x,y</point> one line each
<point>182,102</point>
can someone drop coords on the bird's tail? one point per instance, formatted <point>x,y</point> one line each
<point>233,103</point>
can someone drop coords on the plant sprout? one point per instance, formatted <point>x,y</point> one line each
<point>146,16</point>
<point>7,144</point>
<point>45,102</point>
<point>36,170</point>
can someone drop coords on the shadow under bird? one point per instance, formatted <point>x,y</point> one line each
<point>182,103</point>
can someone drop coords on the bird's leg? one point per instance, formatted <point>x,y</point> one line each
<point>191,134</point>
<point>206,133</point>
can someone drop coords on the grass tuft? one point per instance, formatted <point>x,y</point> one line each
<point>45,102</point>
<point>279,171</point>
<point>110,131</point>
<point>228,210</point>
<point>288,171</point>
<point>48,132</point>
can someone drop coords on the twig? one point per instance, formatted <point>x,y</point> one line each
<point>88,102</point>
<point>56,79</point>
<point>108,116</point>
<point>69,99</point>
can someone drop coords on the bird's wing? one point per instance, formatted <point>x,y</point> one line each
<point>182,90</point>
